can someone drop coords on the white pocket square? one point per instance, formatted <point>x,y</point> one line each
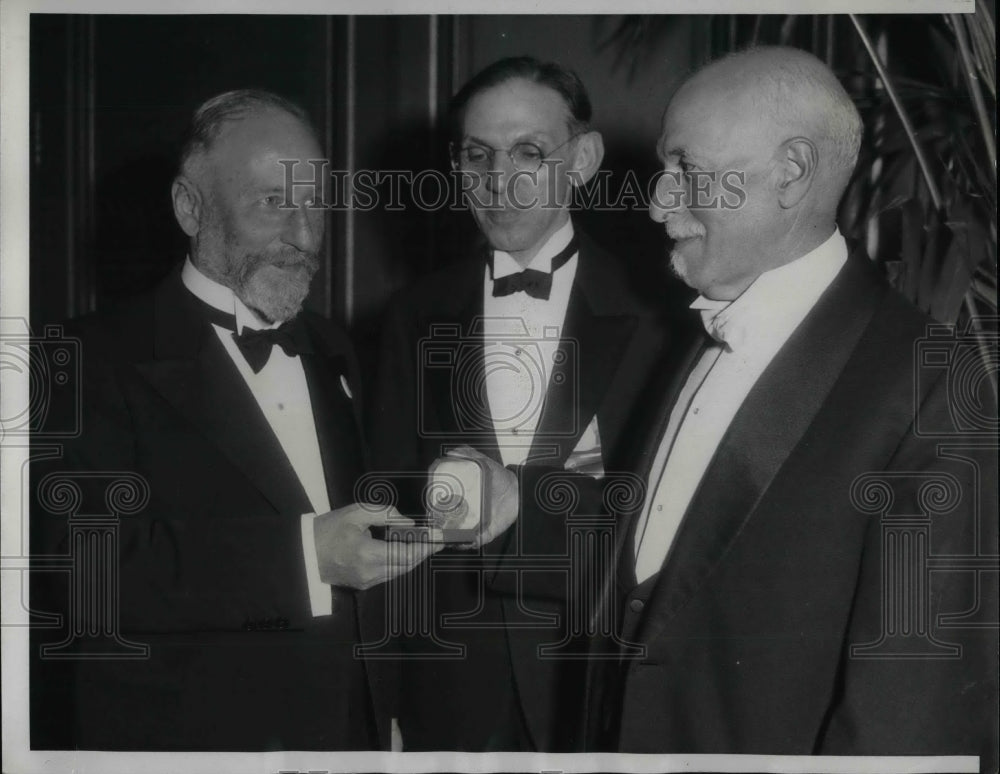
<point>345,388</point>
<point>586,457</point>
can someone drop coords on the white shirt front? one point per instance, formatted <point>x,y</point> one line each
<point>753,328</point>
<point>520,340</point>
<point>282,393</point>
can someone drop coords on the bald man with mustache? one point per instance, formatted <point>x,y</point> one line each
<point>757,576</point>
<point>802,467</point>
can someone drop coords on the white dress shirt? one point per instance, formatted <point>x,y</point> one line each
<point>752,329</point>
<point>282,393</point>
<point>520,339</point>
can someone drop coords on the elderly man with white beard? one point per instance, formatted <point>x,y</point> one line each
<point>238,410</point>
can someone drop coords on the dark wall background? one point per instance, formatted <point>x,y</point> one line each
<point>111,94</point>
<point>110,98</point>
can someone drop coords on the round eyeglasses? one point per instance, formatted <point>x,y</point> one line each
<point>524,156</point>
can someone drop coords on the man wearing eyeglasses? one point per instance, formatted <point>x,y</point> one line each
<point>530,352</point>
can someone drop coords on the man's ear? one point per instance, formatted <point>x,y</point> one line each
<point>798,160</point>
<point>187,204</point>
<point>587,158</point>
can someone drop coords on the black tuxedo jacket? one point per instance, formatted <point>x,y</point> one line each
<point>212,574</point>
<point>832,588</point>
<point>500,695</point>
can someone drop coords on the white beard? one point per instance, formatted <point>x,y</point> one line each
<point>276,293</point>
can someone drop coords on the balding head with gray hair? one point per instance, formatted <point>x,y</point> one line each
<point>773,125</point>
<point>797,94</point>
<point>215,113</point>
<point>249,230</point>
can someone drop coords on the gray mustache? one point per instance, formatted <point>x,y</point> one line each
<point>683,227</point>
<point>296,258</point>
<point>684,233</point>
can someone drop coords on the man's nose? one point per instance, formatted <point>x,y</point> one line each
<point>304,228</point>
<point>500,171</point>
<point>668,195</point>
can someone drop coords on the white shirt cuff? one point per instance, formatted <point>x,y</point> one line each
<point>320,596</point>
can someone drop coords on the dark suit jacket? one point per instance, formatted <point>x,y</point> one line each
<point>500,695</point>
<point>822,593</point>
<point>212,575</point>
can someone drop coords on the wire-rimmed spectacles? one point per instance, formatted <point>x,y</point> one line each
<point>524,156</point>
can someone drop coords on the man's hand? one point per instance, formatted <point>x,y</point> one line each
<point>349,555</point>
<point>500,495</point>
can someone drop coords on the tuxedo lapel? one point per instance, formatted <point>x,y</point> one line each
<point>764,432</point>
<point>452,360</point>
<point>589,352</point>
<point>600,320</point>
<point>193,372</point>
<point>664,392</point>
<point>658,400</point>
<point>336,421</point>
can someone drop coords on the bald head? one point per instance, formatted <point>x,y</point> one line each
<point>774,127</point>
<point>786,92</point>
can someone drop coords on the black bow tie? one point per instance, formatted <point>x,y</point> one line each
<point>537,284</point>
<point>256,345</point>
